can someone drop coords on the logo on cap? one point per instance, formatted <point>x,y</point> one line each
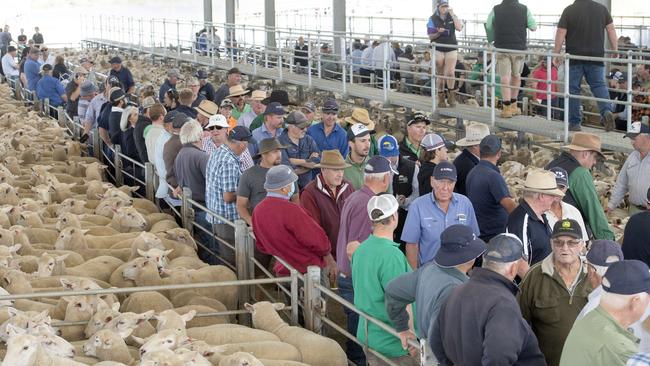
<point>388,146</point>
<point>566,224</point>
<point>446,170</point>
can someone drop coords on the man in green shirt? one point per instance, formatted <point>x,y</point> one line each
<point>375,263</point>
<point>359,142</point>
<point>602,337</point>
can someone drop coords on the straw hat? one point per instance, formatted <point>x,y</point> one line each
<point>360,115</point>
<point>584,141</point>
<point>207,108</point>
<point>237,91</point>
<point>542,181</point>
<point>258,95</point>
<point>474,133</point>
<point>332,159</point>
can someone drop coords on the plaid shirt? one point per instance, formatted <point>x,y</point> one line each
<point>222,175</point>
<point>245,159</point>
<point>640,359</point>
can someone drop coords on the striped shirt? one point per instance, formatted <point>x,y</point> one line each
<point>222,175</point>
<point>639,359</point>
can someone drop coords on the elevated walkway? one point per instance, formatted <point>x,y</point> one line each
<point>528,124</point>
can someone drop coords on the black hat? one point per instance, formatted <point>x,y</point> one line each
<point>240,133</point>
<point>274,108</point>
<point>561,176</point>
<point>491,144</point>
<point>179,120</point>
<point>418,117</point>
<point>169,117</point>
<point>458,245</point>
<point>567,227</point>
<point>648,195</point>
<point>116,95</point>
<point>201,74</point>
<point>115,60</point>
<point>627,277</point>
<point>279,96</point>
<point>445,170</point>
<point>11,49</point>
<point>601,252</point>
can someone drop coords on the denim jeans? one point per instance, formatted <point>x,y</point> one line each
<point>205,238</point>
<point>595,76</point>
<point>353,350</point>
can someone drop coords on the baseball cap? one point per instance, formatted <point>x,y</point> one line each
<point>115,60</point>
<point>491,144</point>
<point>614,74</point>
<point>432,141</point>
<point>445,170</point>
<point>330,105</point>
<point>620,76</point>
<point>601,252</point>
<point>234,70</point>
<point>298,119</point>
<point>275,108</point>
<point>567,227</point>
<point>388,146</point>
<point>561,176</point>
<point>309,106</point>
<point>627,277</point>
<point>148,102</point>
<point>637,128</point>
<point>240,133</point>
<point>87,88</point>
<point>179,120</point>
<point>443,2</point>
<point>278,176</point>
<point>201,74</point>
<point>505,248</point>
<point>358,130</point>
<point>382,206</point>
<point>458,245</point>
<point>169,117</point>
<point>218,120</point>
<point>116,95</point>
<point>226,103</point>
<point>418,117</point>
<point>378,164</point>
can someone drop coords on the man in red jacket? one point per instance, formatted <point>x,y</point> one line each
<point>286,230</point>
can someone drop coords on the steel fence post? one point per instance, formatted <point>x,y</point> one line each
<point>567,98</point>
<point>493,77</point>
<point>117,161</point>
<point>307,301</point>
<point>149,173</point>
<point>295,308</point>
<point>241,260</point>
<point>434,80</point>
<point>250,245</point>
<point>485,84</point>
<point>187,213</point>
<point>312,299</point>
<point>97,144</point>
<point>628,113</point>
<point>46,107</point>
<point>61,116</point>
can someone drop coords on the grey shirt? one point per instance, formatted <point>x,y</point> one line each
<point>251,185</point>
<point>189,167</point>
<point>634,178</point>
<point>429,287</point>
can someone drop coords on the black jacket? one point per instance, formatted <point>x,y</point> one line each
<point>403,182</point>
<point>481,324</point>
<point>424,177</point>
<point>114,131</point>
<point>207,91</point>
<point>635,238</point>
<point>138,137</point>
<point>533,232</point>
<point>188,111</point>
<point>464,163</point>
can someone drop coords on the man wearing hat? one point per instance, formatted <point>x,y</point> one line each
<point>123,74</point>
<point>257,108</point>
<point>233,77</point>
<point>163,193</point>
<point>50,88</point>
<point>581,156</point>
<point>471,154</point>
<point>354,228</point>
<point>173,76</point>
<point>237,96</point>
<point>194,85</point>
<point>359,142</point>
<point>602,336</point>
<point>555,290</point>
<point>206,88</point>
<point>430,214</point>
<point>87,92</point>
<point>141,128</point>
<point>601,254</point>
<point>360,115</point>
<point>637,232</point>
<point>375,263</point>
<point>73,90</point>
<point>309,110</point>
<point>217,130</point>
<point>292,236</point>
<point>634,176</point>
<point>416,128</point>
<point>488,191</point>
<point>459,248</point>
<point>222,180</point>
<point>301,152</point>
<point>277,96</point>
<point>433,150</point>
<point>204,111</point>
<point>32,69</point>
<point>118,102</point>
<point>225,108</point>
<point>328,134</point>
<point>325,196</point>
<point>273,121</point>
<point>481,323</point>
<point>89,65</point>
<point>561,210</point>
<point>91,117</point>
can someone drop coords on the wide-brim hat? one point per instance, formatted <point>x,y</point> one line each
<point>474,133</point>
<point>448,257</point>
<point>258,95</point>
<point>332,159</point>
<point>207,108</point>
<point>280,96</point>
<point>584,141</point>
<point>542,181</point>
<point>360,115</point>
<point>237,91</point>
<point>268,145</point>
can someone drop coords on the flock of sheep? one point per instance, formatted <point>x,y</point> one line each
<point>64,228</point>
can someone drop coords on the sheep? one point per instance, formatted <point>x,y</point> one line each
<point>75,206</point>
<point>240,359</point>
<point>190,297</point>
<point>99,268</point>
<point>17,234</point>
<point>28,320</point>
<point>94,170</point>
<point>140,302</point>
<point>129,323</point>
<point>52,344</point>
<point>108,206</point>
<point>273,350</point>
<point>187,262</point>
<point>166,339</point>
<point>316,350</point>
<point>179,235</point>
<point>164,225</point>
<point>128,219</point>
<point>69,219</point>
<point>107,345</point>
<point>159,216</point>
<point>146,273</point>
<point>102,317</point>
<point>73,239</point>
<point>95,189</point>
<point>156,255</point>
<point>26,350</point>
<point>219,334</point>
<point>80,308</point>
<point>147,240</point>
<point>8,195</point>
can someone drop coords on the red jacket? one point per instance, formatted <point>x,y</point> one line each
<point>324,208</point>
<point>286,230</point>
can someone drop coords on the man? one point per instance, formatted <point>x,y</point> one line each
<point>73,90</point>
<point>328,134</point>
<point>355,227</point>
<point>367,67</point>
<point>578,161</point>
<point>383,60</point>
<point>37,37</point>
<point>204,111</point>
<point>89,65</point>
<point>114,96</point>
<point>602,336</point>
<point>375,263</point>
<point>217,130</point>
<point>118,101</point>
<point>193,84</point>
<point>170,151</point>
<point>222,179</point>
<point>173,76</point>
<point>560,209</point>
<point>471,154</point>
<point>163,193</point>
<point>359,142</point>
<point>87,92</point>
<point>185,97</point>
<point>325,196</point>
<point>273,121</point>
<point>620,110</point>
<point>32,69</point>
<point>206,89</point>
<point>89,120</point>
<point>360,115</point>
<point>634,177</point>
<point>581,25</point>
<point>293,236</point>
<point>301,152</point>
<point>555,290</point>
<point>123,74</point>
<point>507,27</point>
<point>257,108</point>
<point>459,249</point>
<point>50,88</point>
<point>157,117</point>
<point>300,53</point>
<point>480,323</point>
<point>636,233</point>
<point>488,191</point>
<point>233,77</point>
<point>5,40</point>
<point>278,96</point>
<point>416,128</point>
<point>143,124</point>
<point>9,65</point>
<point>528,221</point>
<point>46,57</point>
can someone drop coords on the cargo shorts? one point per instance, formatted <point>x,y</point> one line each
<point>510,64</point>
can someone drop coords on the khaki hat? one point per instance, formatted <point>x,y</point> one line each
<point>207,108</point>
<point>268,145</point>
<point>360,115</point>
<point>332,159</point>
<point>584,141</point>
<point>542,181</point>
<point>258,95</point>
<point>237,91</point>
<point>474,133</point>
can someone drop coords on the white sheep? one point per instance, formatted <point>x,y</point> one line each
<point>99,268</point>
<point>219,334</point>
<point>73,239</point>
<point>166,339</point>
<point>106,345</point>
<point>26,350</point>
<point>272,350</point>
<point>128,219</point>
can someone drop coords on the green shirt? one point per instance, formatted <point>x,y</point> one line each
<point>354,173</point>
<point>375,263</point>
<point>598,340</point>
<point>412,147</point>
<point>257,122</point>
<point>581,185</point>
<point>489,24</point>
<point>236,113</point>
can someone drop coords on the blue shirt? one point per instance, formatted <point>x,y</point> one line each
<point>337,139</point>
<point>50,88</point>
<point>164,89</point>
<point>306,146</point>
<point>222,175</point>
<point>426,221</point>
<point>486,188</point>
<point>125,77</point>
<point>262,133</point>
<point>32,69</point>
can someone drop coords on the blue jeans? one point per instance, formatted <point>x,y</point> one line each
<point>353,350</point>
<point>595,76</point>
<point>205,238</point>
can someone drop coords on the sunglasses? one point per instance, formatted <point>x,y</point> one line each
<point>212,128</point>
<point>570,243</point>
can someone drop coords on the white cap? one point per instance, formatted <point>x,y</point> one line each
<point>218,120</point>
<point>432,141</point>
<point>381,207</point>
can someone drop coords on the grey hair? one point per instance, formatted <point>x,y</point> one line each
<point>617,301</point>
<point>498,267</point>
<point>124,120</point>
<point>375,176</point>
<point>191,132</point>
<point>531,194</point>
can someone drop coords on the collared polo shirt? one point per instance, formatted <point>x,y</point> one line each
<point>486,188</point>
<point>236,113</point>
<point>354,173</point>
<point>222,175</point>
<point>32,69</point>
<point>246,119</point>
<point>303,150</point>
<point>634,178</point>
<point>534,233</point>
<point>263,133</point>
<point>355,226</point>
<point>375,263</point>
<point>337,139</point>
<point>408,150</point>
<point>50,88</point>
<point>257,122</point>
<point>426,220</point>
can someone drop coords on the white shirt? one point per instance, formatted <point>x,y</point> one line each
<point>366,56</point>
<point>382,51</point>
<point>246,119</point>
<point>9,66</point>
<point>568,212</point>
<point>634,178</point>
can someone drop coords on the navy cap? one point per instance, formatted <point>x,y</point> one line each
<point>505,248</point>
<point>627,277</point>
<point>330,105</point>
<point>458,245</point>
<point>388,146</point>
<point>169,117</point>
<point>115,60</point>
<point>240,133</point>
<point>275,108</point>
<point>201,74</point>
<point>445,170</point>
<point>604,252</point>
<point>561,176</point>
<point>179,120</point>
<point>117,95</point>
<point>378,164</point>
<point>491,144</point>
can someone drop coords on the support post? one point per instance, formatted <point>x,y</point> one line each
<point>97,144</point>
<point>60,112</point>
<point>46,107</point>
<point>207,11</point>
<point>338,27</point>
<point>117,160</point>
<point>187,213</point>
<point>312,299</point>
<point>269,23</point>
<point>149,173</point>
<point>242,261</point>
<point>294,297</point>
